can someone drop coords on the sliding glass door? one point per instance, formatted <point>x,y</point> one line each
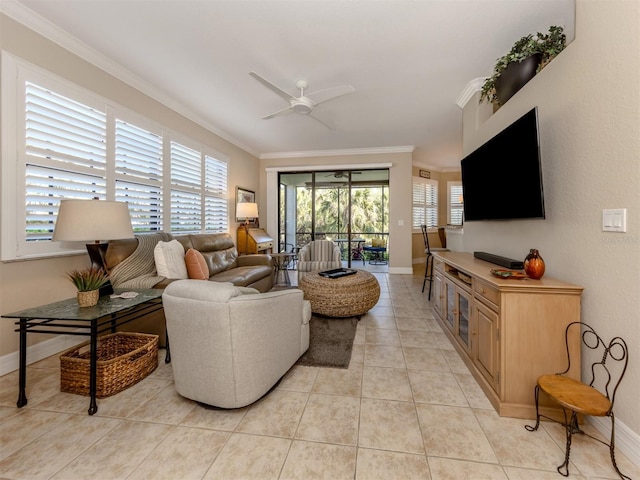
<point>349,207</point>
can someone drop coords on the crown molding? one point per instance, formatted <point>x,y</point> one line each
<point>469,91</point>
<point>55,34</point>
<point>334,153</point>
<point>436,169</point>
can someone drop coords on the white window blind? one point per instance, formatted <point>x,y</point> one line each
<point>216,205</point>
<point>65,157</point>
<point>186,195</point>
<point>425,203</point>
<point>456,203</point>
<point>138,155</point>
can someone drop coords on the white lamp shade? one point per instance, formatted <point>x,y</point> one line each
<point>247,210</point>
<point>91,221</point>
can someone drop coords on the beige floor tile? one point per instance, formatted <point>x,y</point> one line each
<point>357,355</point>
<point>250,457</point>
<point>128,401</point>
<point>389,425</point>
<point>433,325</point>
<point>453,432</point>
<point>118,453</point>
<point>168,406</point>
<point>590,457</point>
<point>449,469</point>
<point>379,336</point>
<point>204,416</point>
<point>186,453</point>
<point>386,383</point>
<point>411,323</point>
<point>299,379</point>
<point>377,321</point>
<point>417,338</point>
<point>443,341</point>
<point>436,387</point>
<point>408,312</point>
<point>534,449</point>
<point>382,311</point>
<point>164,370</point>
<point>472,391</point>
<point>339,381</point>
<point>57,447</point>
<point>50,363</point>
<point>383,356</point>
<point>276,414</point>
<point>514,473</point>
<point>455,362</point>
<point>42,384</point>
<point>330,419</point>
<point>425,359</point>
<point>25,425</point>
<point>310,460</point>
<point>383,465</point>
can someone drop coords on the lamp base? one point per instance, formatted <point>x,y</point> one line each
<point>97,251</point>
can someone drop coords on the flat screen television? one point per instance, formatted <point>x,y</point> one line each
<point>502,179</point>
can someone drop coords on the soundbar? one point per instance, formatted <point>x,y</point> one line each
<point>498,260</point>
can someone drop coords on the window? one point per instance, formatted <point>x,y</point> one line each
<point>70,143</point>
<point>425,203</point>
<point>455,205</point>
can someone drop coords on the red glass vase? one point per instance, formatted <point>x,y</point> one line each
<point>534,264</point>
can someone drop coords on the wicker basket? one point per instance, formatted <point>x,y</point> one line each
<point>123,360</point>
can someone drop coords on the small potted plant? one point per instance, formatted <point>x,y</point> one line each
<point>527,57</point>
<point>88,282</point>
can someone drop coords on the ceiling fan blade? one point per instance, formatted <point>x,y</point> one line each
<point>326,123</point>
<point>279,112</point>
<point>272,87</point>
<point>321,96</point>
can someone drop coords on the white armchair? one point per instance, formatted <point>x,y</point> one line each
<point>318,255</point>
<point>230,345</point>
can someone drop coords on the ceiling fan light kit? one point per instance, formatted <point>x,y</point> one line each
<point>304,104</point>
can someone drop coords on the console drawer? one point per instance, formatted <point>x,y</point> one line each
<point>487,292</point>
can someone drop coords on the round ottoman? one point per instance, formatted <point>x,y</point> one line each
<point>350,296</point>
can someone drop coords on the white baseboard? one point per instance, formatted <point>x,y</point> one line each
<point>11,361</point>
<point>627,441</point>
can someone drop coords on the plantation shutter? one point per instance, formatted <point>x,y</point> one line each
<point>65,156</point>
<point>425,204</point>
<point>216,205</point>
<point>456,206</point>
<point>138,179</point>
<point>186,197</point>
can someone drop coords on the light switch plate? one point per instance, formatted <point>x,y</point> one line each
<point>614,220</point>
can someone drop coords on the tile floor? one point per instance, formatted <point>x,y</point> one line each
<point>407,408</point>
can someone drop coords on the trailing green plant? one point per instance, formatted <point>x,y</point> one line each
<point>547,45</point>
<point>88,279</point>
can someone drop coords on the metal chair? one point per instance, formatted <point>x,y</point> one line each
<point>595,398</point>
<point>428,271</point>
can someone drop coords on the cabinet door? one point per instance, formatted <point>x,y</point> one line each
<point>450,311</point>
<point>463,330</point>
<point>437,294</point>
<point>486,348</point>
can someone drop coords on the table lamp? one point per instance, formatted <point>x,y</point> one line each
<point>93,220</point>
<point>247,210</point>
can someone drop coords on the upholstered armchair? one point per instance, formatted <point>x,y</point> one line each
<point>318,255</point>
<point>230,345</point>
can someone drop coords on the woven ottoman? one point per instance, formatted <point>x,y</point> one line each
<point>350,296</point>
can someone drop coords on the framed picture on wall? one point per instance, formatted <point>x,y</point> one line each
<point>244,195</point>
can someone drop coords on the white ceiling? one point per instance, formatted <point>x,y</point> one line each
<point>408,61</point>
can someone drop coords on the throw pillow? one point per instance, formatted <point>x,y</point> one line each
<point>169,257</point>
<point>197,268</point>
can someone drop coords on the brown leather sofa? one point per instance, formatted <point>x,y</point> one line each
<point>221,255</point>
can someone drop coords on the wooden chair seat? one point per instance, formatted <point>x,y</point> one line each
<point>575,395</point>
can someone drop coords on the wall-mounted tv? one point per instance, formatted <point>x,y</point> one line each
<point>502,179</point>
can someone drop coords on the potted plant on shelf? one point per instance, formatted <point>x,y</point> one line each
<point>527,57</point>
<point>88,282</point>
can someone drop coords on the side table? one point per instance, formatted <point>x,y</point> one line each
<point>108,314</point>
<point>282,261</point>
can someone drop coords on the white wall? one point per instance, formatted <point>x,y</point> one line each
<point>588,102</point>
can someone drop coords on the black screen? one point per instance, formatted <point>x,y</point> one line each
<point>502,179</point>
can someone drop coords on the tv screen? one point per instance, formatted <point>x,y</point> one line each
<point>502,179</point>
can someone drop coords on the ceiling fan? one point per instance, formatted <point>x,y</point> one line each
<point>305,103</point>
<point>342,174</point>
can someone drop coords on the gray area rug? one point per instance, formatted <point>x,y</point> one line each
<point>330,342</point>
